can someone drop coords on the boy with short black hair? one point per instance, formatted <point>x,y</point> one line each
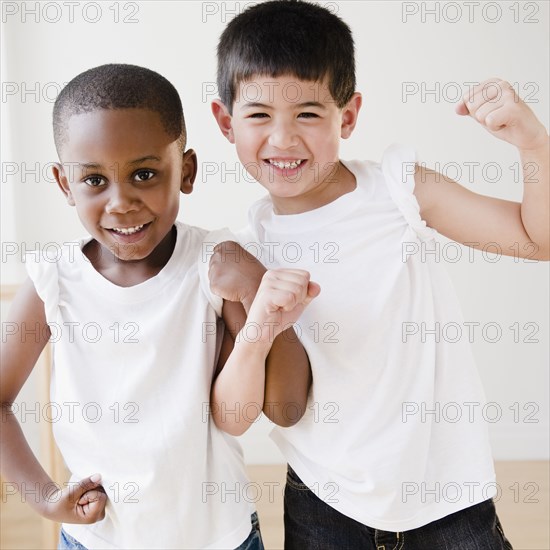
<point>140,279</point>
<point>286,79</point>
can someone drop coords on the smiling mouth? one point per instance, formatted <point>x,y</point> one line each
<point>285,164</point>
<point>128,230</point>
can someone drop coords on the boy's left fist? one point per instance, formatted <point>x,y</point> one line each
<point>496,106</point>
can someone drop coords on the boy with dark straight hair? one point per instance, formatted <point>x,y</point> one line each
<point>367,477</point>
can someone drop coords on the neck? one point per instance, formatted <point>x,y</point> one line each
<point>336,184</point>
<point>126,273</point>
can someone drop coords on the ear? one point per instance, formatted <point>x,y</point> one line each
<point>349,115</point>
<point>188,171</point>
<point>223,118</point>
<point>62,182</point>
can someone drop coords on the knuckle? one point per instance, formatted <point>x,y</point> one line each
<point>214,268</point>
<point>509,93</point>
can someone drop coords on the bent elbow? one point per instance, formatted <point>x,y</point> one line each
<point>232,428</point>
<point>284,416</point>
<point>284,423</point>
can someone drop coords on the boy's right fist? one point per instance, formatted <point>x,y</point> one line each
<point>81,502</point>
<point>281,299</point>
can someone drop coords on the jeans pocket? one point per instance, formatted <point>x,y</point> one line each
<point>292,480</point>
<point>386,540</point>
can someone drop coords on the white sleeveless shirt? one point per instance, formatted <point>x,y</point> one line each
<point>132,370</point>
<point>368,444</point>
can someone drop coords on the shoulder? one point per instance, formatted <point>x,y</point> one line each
<point>54,257</point>
<point>400,172</point>
<point>398,166</point>
<point>51,264</point>
<point>190,231</point>
<point>260,210</point>
<point>198,237</point>
<point>380,181</point>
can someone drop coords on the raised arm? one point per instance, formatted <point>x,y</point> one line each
<point>25,335</point>
<point>519,229</point>
<point>279,383</point>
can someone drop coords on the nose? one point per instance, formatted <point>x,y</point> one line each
<point>283,136</point>
<point>122,199</point>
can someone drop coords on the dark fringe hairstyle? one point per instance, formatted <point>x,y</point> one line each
<point>287,37</point>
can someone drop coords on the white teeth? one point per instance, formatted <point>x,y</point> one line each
<point>280,164</point>
<point>127,230</point>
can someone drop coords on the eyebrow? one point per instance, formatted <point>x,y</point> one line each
<point>96,166</point>
<point>311,104</point>
<point>253,105</point>
<point>256,105</point>
<point>144,159</point>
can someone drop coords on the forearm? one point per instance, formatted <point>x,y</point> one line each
<point>285,381</point>
<point>238,392</point>
<point>535,206</point>
<point>20,468</point>
<point>260,346</point>
<point>288,379</point>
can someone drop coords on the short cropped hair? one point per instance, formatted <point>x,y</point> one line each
<point>119,86</point>
<point>287,37</point>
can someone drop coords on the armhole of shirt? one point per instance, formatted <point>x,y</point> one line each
<point>43,272</point>
<point>398,168</point>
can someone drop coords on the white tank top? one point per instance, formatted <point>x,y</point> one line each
<point>368,445</point>
<point>132,370</point>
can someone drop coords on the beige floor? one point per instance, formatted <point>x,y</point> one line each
<point>523,508</point>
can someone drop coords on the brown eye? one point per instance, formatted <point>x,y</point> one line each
<point>94,181</point>
<point>144,175</point>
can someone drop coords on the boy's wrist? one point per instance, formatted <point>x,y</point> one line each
<point>540,148</point>
<point>49,495</point>
<point>255,340</point>
<point>248,298</point>
<point>249,284</point>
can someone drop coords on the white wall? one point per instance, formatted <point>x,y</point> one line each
<point>401,47</point>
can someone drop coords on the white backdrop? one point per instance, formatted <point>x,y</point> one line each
<point>413,60</point>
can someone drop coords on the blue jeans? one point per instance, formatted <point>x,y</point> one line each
<point>66,542</point>
<point>311,524</point>
<point>253,542</point>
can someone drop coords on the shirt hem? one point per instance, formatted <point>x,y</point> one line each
<point>227,542</point>
<point>428,514</point>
